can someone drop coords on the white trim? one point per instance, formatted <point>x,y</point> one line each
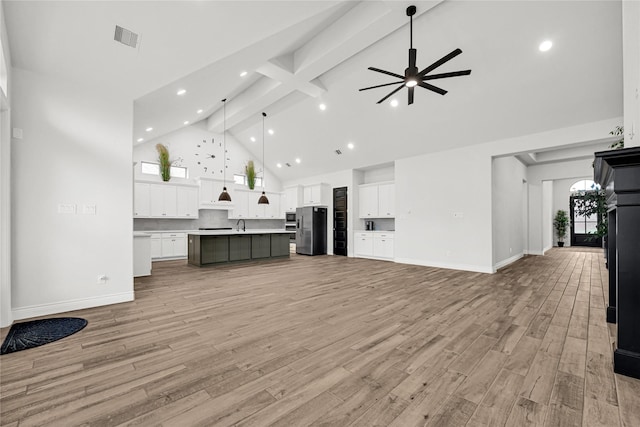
<point>546,249</point>
<point>71,305</point>
<point>437,264</point>
<point>535,253</point>
<point>507,261</point>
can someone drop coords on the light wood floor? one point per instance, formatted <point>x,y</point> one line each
<point>336,341</point>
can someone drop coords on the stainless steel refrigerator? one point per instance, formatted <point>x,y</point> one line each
<point>311,230</point>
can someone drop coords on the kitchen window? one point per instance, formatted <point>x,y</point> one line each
<point>149,168</point>
<point>242,180</point>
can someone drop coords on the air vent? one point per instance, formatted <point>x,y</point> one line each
<point>338,152</point>
<point>125,36</point>
<point>288,165</point>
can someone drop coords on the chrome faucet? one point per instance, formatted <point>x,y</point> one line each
<point>244,227</point>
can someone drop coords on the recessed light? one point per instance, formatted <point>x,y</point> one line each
<point>394,103</point>
<point>350,146</point>
<point>182,92</point>
<point>298,160</point>
<point>545,45</point>
<point>242,74</point>
<point>186,122</point>
<point>200,111</point>
<point>271,132</point>
<point>149,129</point>
<point>252,139</point>
<point>140,139</point>
<point>322,107</point>
<point>279,165</point>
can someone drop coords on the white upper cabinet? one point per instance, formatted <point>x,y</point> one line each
<point>377,200</point>
<point>368,200</point>
<point>155,200</point>
<point>291,199</point>
<point>141,200</point>
<point>316,195</point>
<point>187,202</point>
<point>387,200</point>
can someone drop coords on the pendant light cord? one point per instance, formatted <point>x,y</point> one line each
<point>264,171</point>
<point>224,142</point>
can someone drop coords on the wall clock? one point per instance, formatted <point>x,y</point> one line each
<point>205,154</point>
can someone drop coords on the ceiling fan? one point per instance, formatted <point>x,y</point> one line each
<point>412,77</point>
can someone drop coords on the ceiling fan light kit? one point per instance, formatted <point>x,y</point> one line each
<point>412,76</point>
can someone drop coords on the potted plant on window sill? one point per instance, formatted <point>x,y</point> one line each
<point>560,224</point>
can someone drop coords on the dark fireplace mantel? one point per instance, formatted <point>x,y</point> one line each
<point>618,172</point>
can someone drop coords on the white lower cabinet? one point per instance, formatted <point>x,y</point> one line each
<point>373,244</point>
<point>168,245</point>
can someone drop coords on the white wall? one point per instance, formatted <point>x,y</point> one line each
<point>547,215</point>
<point>77,151</point>
<point>631,71</point>
<point>508,174</point>
<point>430,189</point>
<point>6,316</point>
<point>381,174</point>
<point>183,144</point>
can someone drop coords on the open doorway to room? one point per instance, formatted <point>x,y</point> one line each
<point>583,228</point>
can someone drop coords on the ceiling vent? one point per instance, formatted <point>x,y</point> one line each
<point>125,36</point>
<point>338,152</point>
<point>288,165</point>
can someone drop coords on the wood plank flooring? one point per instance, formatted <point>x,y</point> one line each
<point>336,341</point>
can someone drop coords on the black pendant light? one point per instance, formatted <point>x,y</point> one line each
<point>224,196</point>
<point>263,199</point>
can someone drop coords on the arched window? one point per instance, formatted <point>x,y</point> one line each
<point>584,185</point>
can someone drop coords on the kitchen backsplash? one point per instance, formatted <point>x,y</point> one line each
<point>208,218</point>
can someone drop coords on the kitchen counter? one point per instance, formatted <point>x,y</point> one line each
<point>209,247</point>
<point>235,232</point>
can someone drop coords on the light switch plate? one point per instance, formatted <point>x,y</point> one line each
<point>88,209</point>
<point>66,208</point>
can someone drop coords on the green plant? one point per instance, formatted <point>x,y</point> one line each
<point>593,203</point>
<point>250,171</point>
<point>165,163</point>
<point>560,224</point>
<point>618,131</point>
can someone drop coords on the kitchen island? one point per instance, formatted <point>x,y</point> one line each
<point>208,247</point>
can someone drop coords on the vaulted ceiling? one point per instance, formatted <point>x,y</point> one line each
<point>299,54</point>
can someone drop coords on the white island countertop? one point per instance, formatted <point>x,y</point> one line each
<point>234,232</point>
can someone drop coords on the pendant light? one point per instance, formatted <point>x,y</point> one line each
<point>263,199</point>
<point>224,196</point>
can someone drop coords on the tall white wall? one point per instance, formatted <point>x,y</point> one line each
<point>631,71</point>
<point>183,143</point>
<point>76,151</point>
<point>443,210</point>
<point>6,316</point>
<point>547,215</point>
<point>508,219</point>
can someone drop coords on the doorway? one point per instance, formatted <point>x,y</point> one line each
<point>340,221</point>
<point>583,228</point>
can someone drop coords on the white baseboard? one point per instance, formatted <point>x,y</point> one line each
<point>506,262</point>
<point>437,264</point>
<point>546,249</point>
<point>535,253</point>
<point>72,305</point>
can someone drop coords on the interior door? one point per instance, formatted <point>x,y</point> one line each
<point>340,221</point>
<point>582,228</point>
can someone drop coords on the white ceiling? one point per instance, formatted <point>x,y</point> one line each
<point>300,53</point>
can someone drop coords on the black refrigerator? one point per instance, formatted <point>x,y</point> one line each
<point>311,230</point>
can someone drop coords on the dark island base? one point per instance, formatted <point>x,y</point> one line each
<point>220,249</point>
<point>611,314</point>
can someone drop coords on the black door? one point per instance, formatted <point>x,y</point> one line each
<point>583,228</point>
<point>340,221</point>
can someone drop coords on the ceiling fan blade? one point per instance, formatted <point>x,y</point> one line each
<point>444,75</point>
<point>439,62</point>
<point>411,95</point>
<point>389,73</point>
<point>391,93</point>
<point>373,87</point>
<point>412,58</point>
<point>432,88</point>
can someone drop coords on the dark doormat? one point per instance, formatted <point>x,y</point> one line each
<point>23,336</point>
